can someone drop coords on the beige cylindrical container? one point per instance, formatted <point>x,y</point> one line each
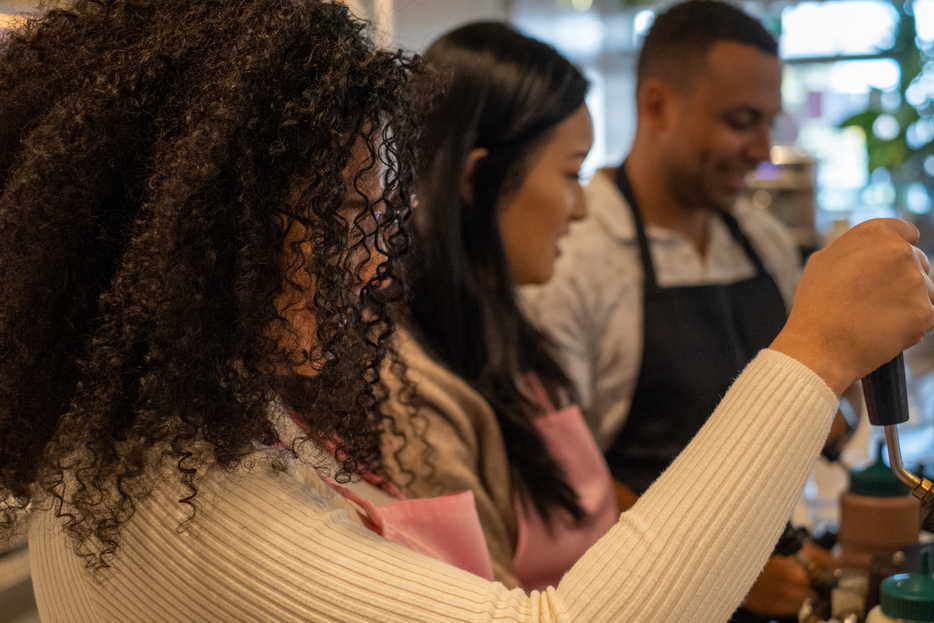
<point>878,515</point>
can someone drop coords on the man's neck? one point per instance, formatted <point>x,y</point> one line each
<point>661,207</point>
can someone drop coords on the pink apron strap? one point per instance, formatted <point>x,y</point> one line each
<point>447,528</point>
<point>545,552</point>
<point>539,391</point>
<point>333,448</point>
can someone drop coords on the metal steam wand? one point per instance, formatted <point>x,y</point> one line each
<point>886,394</point>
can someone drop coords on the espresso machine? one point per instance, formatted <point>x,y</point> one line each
<point>886,395</point>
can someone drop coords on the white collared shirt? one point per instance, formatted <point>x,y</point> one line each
<point>592,307</point>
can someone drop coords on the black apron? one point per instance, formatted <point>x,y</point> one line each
<point>697,339</point>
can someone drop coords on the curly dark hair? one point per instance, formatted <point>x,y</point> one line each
<point>154,155</point>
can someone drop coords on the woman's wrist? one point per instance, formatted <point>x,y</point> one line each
<point>817,358</point>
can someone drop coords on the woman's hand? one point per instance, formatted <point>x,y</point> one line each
<point>861,301</point>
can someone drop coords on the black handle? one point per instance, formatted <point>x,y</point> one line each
<point>886,393</point>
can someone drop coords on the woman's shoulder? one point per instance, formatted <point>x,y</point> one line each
<point>266,482</point>
<point>432,386</point>
<point>252,529</point>
<point>440,414</point>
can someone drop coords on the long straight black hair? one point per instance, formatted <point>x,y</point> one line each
<point>503,92</point>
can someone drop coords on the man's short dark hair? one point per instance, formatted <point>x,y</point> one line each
<point>681,37</point>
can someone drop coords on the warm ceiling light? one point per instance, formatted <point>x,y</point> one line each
<point>11,21</point>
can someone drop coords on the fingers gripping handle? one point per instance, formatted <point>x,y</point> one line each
<point>887,394</point>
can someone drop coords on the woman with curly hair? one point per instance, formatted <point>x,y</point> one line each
<point>202,205</point>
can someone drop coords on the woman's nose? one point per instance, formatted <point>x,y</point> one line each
<point>579,210</point>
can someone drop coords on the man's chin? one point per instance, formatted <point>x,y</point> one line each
<point>722,202</point>
<point>724,190</point>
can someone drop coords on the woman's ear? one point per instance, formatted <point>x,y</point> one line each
<point>470,172</point>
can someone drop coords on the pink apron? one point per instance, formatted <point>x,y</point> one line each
<point>544,553</point>
<point>447,528</point>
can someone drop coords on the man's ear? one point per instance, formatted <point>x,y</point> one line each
<point>470,172</point>
<point>654,100</point>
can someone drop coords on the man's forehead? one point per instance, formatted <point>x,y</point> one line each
<point>737,71</point>
<point>736,54</point>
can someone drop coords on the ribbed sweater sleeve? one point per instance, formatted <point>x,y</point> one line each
<point>272,545</point>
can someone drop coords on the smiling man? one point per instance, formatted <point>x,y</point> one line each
<point>672,285</point>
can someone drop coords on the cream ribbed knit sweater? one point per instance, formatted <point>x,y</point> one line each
<point>273,545</point>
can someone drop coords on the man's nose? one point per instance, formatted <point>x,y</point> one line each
<point>760,145</point>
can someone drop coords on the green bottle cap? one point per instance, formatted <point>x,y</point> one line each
<point>878,480</point>
<point>910,596</point>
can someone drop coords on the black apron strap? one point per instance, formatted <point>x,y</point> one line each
<point>625,187</point>
<point>743,240</point>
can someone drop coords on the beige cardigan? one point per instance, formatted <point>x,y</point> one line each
<point>271,543</point>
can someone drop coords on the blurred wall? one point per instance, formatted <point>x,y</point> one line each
<point>414,24</point>
<point>419,22</point>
